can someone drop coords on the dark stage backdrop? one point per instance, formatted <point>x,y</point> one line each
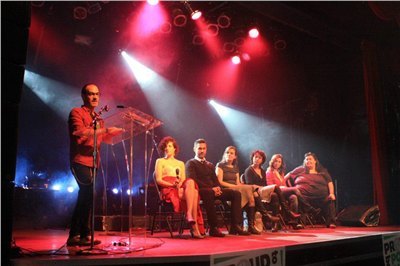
<point>308,96</point>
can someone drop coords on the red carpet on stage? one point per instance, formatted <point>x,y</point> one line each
<point>308,246</point>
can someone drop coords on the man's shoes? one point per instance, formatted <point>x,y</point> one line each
<point>214,231</point>
<point>236,230</point>
<point>86,241</point>
<point>73,241</point>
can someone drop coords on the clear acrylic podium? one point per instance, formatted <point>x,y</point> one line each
<point>134,122</point>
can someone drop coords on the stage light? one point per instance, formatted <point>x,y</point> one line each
<point>165,27</point>
<point>93,8</point>
<point>221,110</point>
<point>115,190</point>
<point>280,44</point>
<point>224,21</point>
<point>198,40</point>
<point>212,29</point>
<point>128,191</point>
<point>254,33</point>
<point>70,189</point>
<point>229,47</point>
<point>195,15</point>
<point>37,3</point>
<point>246,57</point>
<point>235,59</point>
<point>239,41</point>
<point>152,2</point>
<point>180,19</point>
<point>56,187</point>
<point>80,13</point>
<point>141,190</point>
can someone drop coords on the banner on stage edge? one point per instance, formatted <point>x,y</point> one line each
<point>391,249</point>
<point>261,257</point>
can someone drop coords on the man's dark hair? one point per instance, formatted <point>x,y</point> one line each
<point>83,91</point>
<point>198,141</point>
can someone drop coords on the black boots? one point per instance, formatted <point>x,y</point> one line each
<point>237,230</point>
<point>261,208</point>
<point>251,213</point>
<point>285,209</point>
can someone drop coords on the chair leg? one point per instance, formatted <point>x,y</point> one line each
<point>182,223</point>
<point>221,212</point>
<point>167,219</point>
<point>153,223</point>
<point>282,222</point>
<point>309,220</point>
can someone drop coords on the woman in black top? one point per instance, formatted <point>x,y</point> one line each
<point>272,194</point>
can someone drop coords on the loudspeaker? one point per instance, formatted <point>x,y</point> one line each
<point>119,222</point>
<point>359,215</point>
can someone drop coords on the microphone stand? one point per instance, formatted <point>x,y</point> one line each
<point>94,179</point>
<point>94,123</point>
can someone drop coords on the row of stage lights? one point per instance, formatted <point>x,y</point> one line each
<point>71,189</point>
<point>194,14</point>
<point>180,20</point>
<point>223,22</point>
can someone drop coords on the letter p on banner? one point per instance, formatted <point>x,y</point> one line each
<point>391,249</point>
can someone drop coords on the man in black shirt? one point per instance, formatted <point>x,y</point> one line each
<point>203,172</point>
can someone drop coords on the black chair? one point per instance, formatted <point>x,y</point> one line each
<point>223,213</point>
<point>306,218</point>
<point>165,213</point>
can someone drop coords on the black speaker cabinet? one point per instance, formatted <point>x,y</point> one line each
<point>359,215</point>
<point>119,222</point>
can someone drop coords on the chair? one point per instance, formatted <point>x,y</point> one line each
<point>165,213</point>
<point>306,219</point>
<point>222,211</point>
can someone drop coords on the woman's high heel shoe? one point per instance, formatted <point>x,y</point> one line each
<point>196,236</point>
<point>191,221</point>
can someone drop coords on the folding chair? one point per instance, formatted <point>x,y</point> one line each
<point>165,213</point>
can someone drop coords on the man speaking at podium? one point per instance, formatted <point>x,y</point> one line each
<point>84,126</point>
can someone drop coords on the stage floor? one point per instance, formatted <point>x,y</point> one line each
<point>310,246</point>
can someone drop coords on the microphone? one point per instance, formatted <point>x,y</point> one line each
<point>97,115</point>
<point>148,132</point>
<point>105,108</point>
<point>177,173</point>
<point>120,106</point>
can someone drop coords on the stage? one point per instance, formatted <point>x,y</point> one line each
<point>309,246</point>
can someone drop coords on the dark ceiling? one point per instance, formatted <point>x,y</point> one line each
<point>340,23</point>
